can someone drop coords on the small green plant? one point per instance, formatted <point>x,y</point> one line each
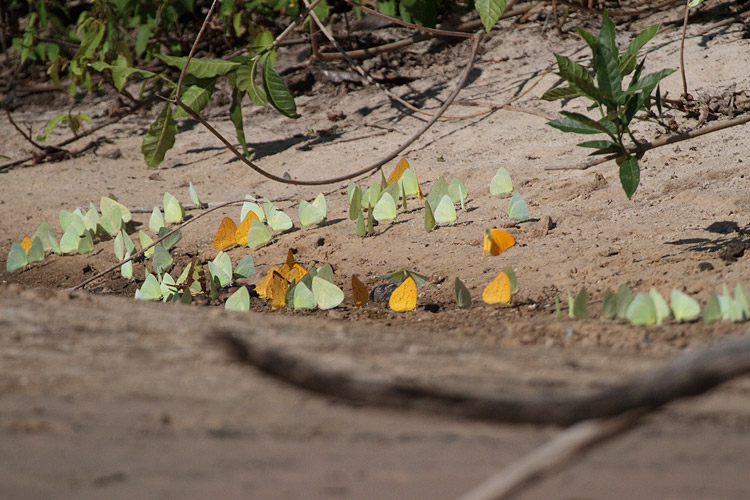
<point>617,106</point>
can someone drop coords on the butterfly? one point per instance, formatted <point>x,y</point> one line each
<point>404,298</point>
<point>498,291</point>
<point>496,241</point>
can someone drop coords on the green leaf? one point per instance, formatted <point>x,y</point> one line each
<point>570,125</point>
<point>387,7</point>
<point>159,138</point>
<point>610,146</point>
<point>276,90</point>
<point>561,93</point>
<point>201,67</point>
<point>245,81</point>
<point>421,12</point>
<point>607,35</point>
<point>650,81</point>
<point>628,58</point>
<point>577,76</point>
<point>489,12</point>
<point>235,114</point>
<point>608,74</point>
<point>142,39</point>
<point>322,10</point>
<point>196,98</point>
<point>121,72</point>
<point>630,175</point>
<point>590,40</point>
<point>694,3</point>
<point>50,126</point>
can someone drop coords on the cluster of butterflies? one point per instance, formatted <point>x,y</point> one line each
<point>652,309</point>
<point>292,286</point>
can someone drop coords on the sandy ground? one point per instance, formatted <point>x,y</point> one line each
<point>154,412</point>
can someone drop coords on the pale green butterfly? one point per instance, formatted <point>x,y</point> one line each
<point>660,305</point>
<point>221,268</point>
<point>511,274</point>
<point>463,297</point>
<point>91,218</point>
<point>278,220</point>
<point>355,202</point>
<point>393,189</point>
<point>194,195</point>
<point>107,204</point>
<point>624,298</point>
<point>578,307</point>
<point>609,304</point>
<point>126,270</point>
<point>71,240</point>
<point>409,183</point>
<point>303,297</point>
<point>741,298</point>
<point>74,219</point>
<point>156,221</point>
<point>517,208</point>
<point>45,233</point>
<point>119,246</point>
<point>150,289</point>
<point>398,277</point>
<point>110,222</point>
<point>313,213</point>
<point>641,311</point>
<point>445,212</point>
<point>85,243</point>
<point>162,260</point>
<point>501,183</point>
<point>168,287</point>
<point>684,307</point>
<point>326,294</point>
<point>712,311</point>
<point>457,192</point>
<point>325,272</point>
<point>18,258</point>
<point>729,309</point>
<point>258,234</point>
<point>438,190</point>
<point>146,241</point>
<point>238,301</point>
<point>385,209</point>
<point>251,206</point>
<point>194,269</point>
<point>245,267</point>
<point>174,212</point>
<point>429,217</point>
<point>360,226</point>
<point>371,196</point>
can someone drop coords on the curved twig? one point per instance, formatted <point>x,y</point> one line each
<point>645,146</point>
<point>362,171</point>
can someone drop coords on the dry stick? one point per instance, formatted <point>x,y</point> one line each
<point>195,44</point>
<point>688,375</point>
<point>388,47</point>
<point>551,456</point>
<point>59,146</point>
<point>25,135</point>
<point>369,79</point>
<point>645,146</point>
<point>156,242</point>
<point>416,27</point>
<point>682,50</point>
<point>362,171</point>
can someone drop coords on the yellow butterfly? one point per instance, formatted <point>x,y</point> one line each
<point>498,291</point>
<point>496,241</point>
<point>229,234</point>
<point>404,298</point>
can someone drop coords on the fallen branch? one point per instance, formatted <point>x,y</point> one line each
<point>551,456</point>
<point>689,375</point>
<point>645,146</point>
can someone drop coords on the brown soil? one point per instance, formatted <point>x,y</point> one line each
<point>154,405</point>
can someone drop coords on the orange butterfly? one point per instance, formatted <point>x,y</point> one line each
<point>496,241</point>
